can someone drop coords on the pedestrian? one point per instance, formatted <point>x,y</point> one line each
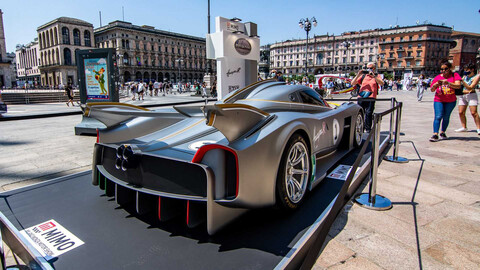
<point>134,88</point>
<point>445,100</point>
<point>273,74</point>
<point>421,84</point>
<point>369,82</point>
<point>469,98</point>
<point>329,86</point>
<point>69,93</point>
<point>162,88</point>
<point>156,87</point>
<point>141,91</point>
<point>214,89</point>
<point>167,87</point>
<point>150,88</point>
<point>204,90</point>
<point>280,77</point>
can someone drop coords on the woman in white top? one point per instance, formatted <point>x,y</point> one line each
<point>469,98</point>
<point>420,87</point>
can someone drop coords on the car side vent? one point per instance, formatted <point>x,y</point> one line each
<point>231,176</point>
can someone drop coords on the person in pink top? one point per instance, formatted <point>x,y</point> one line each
<point>369,82</point>
<point>444,102</point>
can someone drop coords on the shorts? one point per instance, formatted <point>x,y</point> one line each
<point>468,99</point>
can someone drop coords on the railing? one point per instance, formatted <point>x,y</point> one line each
<point>36,96</point>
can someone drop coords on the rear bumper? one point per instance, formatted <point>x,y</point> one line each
<point>152,174</point>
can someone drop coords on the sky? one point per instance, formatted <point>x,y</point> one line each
<point>276,20</point>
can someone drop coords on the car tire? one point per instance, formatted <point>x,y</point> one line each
<point>293,174</point>
<point>358,130</point>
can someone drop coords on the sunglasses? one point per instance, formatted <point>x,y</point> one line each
<point>444,69</point>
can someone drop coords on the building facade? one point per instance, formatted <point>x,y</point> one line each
<point>58,40</point>
<point>7,74</point>
<point>414,50</point>
<point>465,50</point>
<point>28,63</point>
<point>148,54</point>
<point>398,50</point>
<point>339,54</point>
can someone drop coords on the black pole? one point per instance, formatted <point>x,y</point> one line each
<point>209,61</point>
<point>208,16</point>
<point>306,58</point>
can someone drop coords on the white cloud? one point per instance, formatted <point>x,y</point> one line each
<point>87,71</point>
<point>102,61</point>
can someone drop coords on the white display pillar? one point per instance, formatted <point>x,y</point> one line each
<point>236,48</point>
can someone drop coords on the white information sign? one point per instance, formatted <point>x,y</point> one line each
<point>341,172</point>
<point>51,239</point>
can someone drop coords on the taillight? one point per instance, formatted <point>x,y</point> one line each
<point>98,136</point>
<point>231,164</point>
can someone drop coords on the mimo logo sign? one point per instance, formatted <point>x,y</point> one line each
<point>242,46</point>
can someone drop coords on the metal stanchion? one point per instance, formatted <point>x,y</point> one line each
<point>372,200</point>
<point>391,134</point>
<point>395,157</point>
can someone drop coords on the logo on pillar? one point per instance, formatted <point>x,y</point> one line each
<point>242,46</point>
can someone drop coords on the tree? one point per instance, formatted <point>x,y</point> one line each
<point>387,75</point>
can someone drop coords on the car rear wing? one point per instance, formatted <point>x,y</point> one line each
<point>234,120</point>
<point>114,113</point>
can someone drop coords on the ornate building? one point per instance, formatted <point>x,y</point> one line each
<point>414,49</point>
<point>465,50</point>
<point>7,74</point>
<point>58,41</point>
<point>410,49</point>
<point>326,54</point>
<point>145,53</point>
<point>28,62</point>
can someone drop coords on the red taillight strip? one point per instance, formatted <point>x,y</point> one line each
<point>197,158</point>
<point>98,136</point>
<point>188,211</point>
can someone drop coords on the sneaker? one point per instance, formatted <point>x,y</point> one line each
<point>443,136</point>
<point>434,138</point>
<point>461,130</point>
<point>478,131</point>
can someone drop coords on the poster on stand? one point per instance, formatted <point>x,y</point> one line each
<point>96,78</point>
<point>97,75</point>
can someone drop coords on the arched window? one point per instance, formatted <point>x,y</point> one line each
<point>67,57</point>
<point>76,37</point>
<point>87,39</point>
<point>65,35</point>
<point>126,59</point>
<point>55,34</point>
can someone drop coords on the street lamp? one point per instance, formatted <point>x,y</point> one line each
<point>178,61</point>
<point>347,44</point>
<point>307,25</point>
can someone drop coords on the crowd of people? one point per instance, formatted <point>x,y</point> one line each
<point>449,88</point>
<point>140,89</point>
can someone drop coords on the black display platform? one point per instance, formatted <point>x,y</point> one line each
<point>117,238</point>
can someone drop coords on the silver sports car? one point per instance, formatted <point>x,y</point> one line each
<point>264,145</point>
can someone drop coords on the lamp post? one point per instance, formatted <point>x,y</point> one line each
<point>347,44</point>
<point>307,25</point>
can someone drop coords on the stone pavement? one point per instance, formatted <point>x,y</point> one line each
<point>434,222</point>
<point>435,219</point>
